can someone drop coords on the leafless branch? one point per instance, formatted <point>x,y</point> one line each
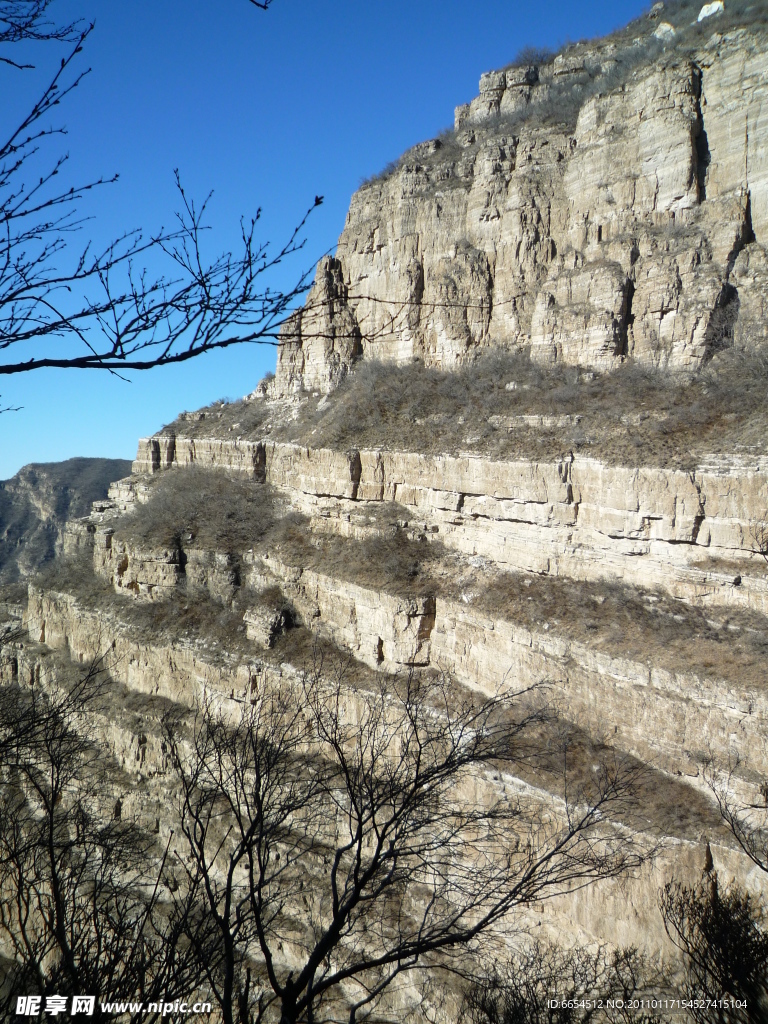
<point>330,819</point>
<point>84,309</point>
<point>747,821</point>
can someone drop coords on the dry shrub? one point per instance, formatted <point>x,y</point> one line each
<point>224,418</point>
<point>202,508</point>
<point>635,623</point>
<point>13,594</point>
<point>532,56</point>
<point>393,562</point>
<point>74,575</point>
<point>633,415</point>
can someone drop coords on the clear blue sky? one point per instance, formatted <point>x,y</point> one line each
<point>266,109</point>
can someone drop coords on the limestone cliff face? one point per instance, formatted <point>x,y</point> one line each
<point>610,205</point>
<point>152,675</point>
<point>692,534</point>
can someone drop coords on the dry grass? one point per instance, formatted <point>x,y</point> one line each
<point>392,563</point>
<point>738,14</point>
<point>633,415</point>
<point>202,508</point>
<point>658,802</point>
<point>645,626</point>
<point>630,416</point>
<point>224,418</point>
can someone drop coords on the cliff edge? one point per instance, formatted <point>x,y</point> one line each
<point>606,204</point>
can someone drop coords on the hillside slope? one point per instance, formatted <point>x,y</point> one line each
<point>516,442</point>
<point>39,500</point>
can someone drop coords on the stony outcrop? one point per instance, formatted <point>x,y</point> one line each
<point>382,630</point>
<point>153,677</point>
<point>516,515</point>
<point>692,534</point>
<point>610,205</point>
<point>37,503</point>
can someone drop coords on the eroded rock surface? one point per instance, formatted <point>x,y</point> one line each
<point>611,205</point>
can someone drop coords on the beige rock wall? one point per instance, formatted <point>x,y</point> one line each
<point>672,719</point>
<point>144,572</point>
<point>150,679</point>
<point>177,671</point>
<point>152,573</point>
<point>692,534</point>
<point>162,452</point>
<point>382,630</point>
<point>607,237</point>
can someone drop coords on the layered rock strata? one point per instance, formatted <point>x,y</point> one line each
<point>693,534</point>
<point>152,678</point>
<point>610,205</point>
<point>571,517</point>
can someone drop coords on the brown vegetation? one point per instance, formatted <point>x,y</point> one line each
<point>502,405</point>
<point>393,562</point>
<point>648,626</point>
<point>632,416</point>
<point>202,508</point>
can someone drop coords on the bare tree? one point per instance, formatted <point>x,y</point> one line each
<point>340,838</point>
<point>747,821</point>
<point>83,905</point>
<point>722,937</point>
<point>22,20</point>
<point>759,533</point>
<point>69,307</point>
<point>546,984</point>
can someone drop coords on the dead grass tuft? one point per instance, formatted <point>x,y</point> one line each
<point>225,418</point>
<point>393,563</point>
<point>628,622</point>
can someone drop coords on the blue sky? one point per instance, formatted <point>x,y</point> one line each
<point>267,110</point>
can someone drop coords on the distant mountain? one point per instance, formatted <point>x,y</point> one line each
<point>37,502</point>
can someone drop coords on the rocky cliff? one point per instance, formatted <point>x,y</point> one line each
<point>610,204</point>
<point>429,488</point>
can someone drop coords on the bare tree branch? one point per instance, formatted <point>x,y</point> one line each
<point>747,821</point>
<point>330,821</point>
<point>721,935</point>
<point>83,901</point>
<point>84,309</point>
